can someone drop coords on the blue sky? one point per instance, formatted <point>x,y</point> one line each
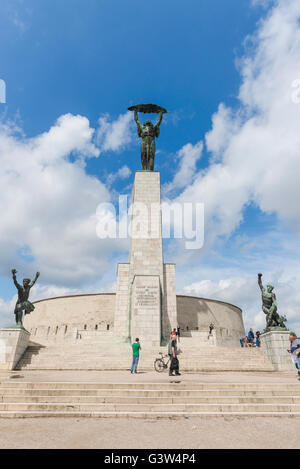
<point>99,56</point>
<point>89,60</point>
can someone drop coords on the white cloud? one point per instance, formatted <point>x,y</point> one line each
<point>19,16</point>
<point>225,125</point>
<point>48,204</point>
<point>188,157</point>
<point>123,173</point>
<point>255,149</point>
<point>263,3</point>
<point>114,135</point>
<point>7,311</point>
<point>255,158</point>
<point>244,292</point>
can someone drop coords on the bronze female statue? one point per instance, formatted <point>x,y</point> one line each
<point>148,132</point>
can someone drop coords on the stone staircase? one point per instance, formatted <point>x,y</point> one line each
<point>112,354</point>
<point>147,400</point>
<point>200,336</point>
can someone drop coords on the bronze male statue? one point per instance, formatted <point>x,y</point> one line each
<point>269,306</point>
<point>23,294</point>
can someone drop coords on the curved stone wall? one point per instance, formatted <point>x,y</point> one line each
<point>60,318</point>
<point>197,313</point>
<point>57,318</point>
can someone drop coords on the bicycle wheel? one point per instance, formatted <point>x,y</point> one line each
<point>159,365</point>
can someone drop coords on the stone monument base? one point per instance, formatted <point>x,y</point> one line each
<point>13,343</point>
<point>275,344</point>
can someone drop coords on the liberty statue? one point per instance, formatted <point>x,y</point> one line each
<point>148,132</point>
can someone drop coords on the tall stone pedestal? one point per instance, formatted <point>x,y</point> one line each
<point>276,343</point>
<point>146,292</point>
<point>13,343</point>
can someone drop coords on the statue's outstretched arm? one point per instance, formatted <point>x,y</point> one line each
<point>18,286</point>
<point>136,118</point>
<point>139,125</point>
<point>159,119</point>
<point>260,282</point>
<point>35,279</point>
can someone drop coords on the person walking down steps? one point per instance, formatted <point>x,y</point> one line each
<point>136,347</point>
<point>173,352</point>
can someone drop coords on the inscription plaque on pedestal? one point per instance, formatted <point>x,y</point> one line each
<point>146,309</point>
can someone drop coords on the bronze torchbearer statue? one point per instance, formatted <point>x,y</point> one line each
<point>269,306</point>
<point>148,132</point>
<point>23,294</point>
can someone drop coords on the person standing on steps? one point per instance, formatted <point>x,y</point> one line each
<point>178,333</point>
<point>295,351</point>
<point>251,336</point>
<point>173,352</point>
<point>257,339</point>
<point>243,341</point>
<point>136,347</point>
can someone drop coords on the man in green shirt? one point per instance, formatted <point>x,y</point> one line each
<point>136,347</point>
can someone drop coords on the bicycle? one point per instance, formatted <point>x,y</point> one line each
<point>160,364</point>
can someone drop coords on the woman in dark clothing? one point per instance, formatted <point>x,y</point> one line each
<point>257,339</point>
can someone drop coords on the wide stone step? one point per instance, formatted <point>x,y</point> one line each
<point>143,364</point>
<point>81,350</point>
<point>73,356</point>
<point>117,351</point>
<point>142,415</point>
<point>107,367</point>
<point>142,361</point>
<point>147,400</point>
<point>169,408</point>
<point>186,370</point>
<point>131,385</point>
<point>144,393</point>
<point>97,347</point>
<point>143,358</point>
<point>84,399</point>
<point>146,356</point>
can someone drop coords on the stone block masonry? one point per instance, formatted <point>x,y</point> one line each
<point>275,345</point>
<point>146,304</point>
<point>13,343</point>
